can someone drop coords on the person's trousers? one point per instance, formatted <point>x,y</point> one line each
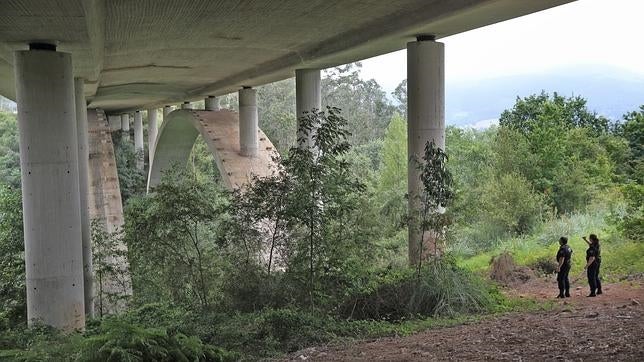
<point>562,280</point>
<point>593,277</point>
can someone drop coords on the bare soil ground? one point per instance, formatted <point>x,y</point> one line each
<point>608,327</point>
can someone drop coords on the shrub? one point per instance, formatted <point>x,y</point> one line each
<point>440,289</point>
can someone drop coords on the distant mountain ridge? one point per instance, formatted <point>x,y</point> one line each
<point>610,92</point>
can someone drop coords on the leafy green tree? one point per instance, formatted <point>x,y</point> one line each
<point>170,237</point>
<point>9,150</point>
<point>13,299</point>
<point>112,280</point>
<point>322,197</point>
<point>132,181</point>
<point>392,185</point>
<point>632,130</point>
<point>363,102</point>
<point>400,93</point>
<point>509,203</point>
<point>554,142</point>
<point>529,113</point>
<point>276,108</point>
<point>435,196</point>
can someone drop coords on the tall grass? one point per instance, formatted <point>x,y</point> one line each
<point>620,257</point>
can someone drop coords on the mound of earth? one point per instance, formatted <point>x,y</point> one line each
<point>505,271</point>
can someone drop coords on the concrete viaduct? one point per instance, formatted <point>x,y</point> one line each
<point>59,58</point>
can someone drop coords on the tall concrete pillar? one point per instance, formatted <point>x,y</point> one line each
<point>125,126</point>
<point>308,96</point>
<point>186,105</point>
<point>50,187</point>
<point>114,122</point>
<point>167,110</point>
<point>248,122</point>
<point>83,176</point>
<point>138,139</point>
<point>426,122</point>
<point>152,132</point>
<point>211,103</point>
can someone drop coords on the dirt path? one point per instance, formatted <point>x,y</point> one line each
<point>608,327</point>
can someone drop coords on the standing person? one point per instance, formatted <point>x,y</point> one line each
<point>563,267</point>
<point>593,262</point>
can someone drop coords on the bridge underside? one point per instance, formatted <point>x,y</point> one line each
<point>147,53</point>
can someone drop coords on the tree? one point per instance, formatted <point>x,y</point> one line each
<point>400,93</point>
<point>132,181</point>
<point>528,113</point>
<point>392,185</point>
<point>170,236</point>
<point>112,279</point>
<point>322,196</point>
<point>13,297</point>
<point>554,142</point>
<point>9,150</point>
<point>363,102</point>
<point>435,196</point>
<point>632,130</point>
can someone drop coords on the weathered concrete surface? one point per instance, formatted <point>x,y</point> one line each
<point>106,209</point>
<point>83,172</point>
<point>50,190</point>
<point>220,130</point>
<point>426,123</point>
<point>148,53</point>
<point>308,97</point>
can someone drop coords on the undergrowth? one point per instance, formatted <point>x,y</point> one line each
<point>620,256</point>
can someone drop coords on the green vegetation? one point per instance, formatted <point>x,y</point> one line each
<point>318,252</point>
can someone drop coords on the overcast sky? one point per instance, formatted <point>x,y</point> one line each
<point>585,32</point>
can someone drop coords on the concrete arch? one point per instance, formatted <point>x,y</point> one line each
<point>220,130</point>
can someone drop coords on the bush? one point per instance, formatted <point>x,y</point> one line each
<point>511,203</point>
<point>118,340</point>
<point>441,289</point>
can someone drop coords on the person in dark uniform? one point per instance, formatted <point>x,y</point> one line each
<point>593,262</point>
<point>564,256</point>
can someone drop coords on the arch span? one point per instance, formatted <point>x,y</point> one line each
<point>220,130</point>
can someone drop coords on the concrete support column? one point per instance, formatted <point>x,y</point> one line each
<point>152,132</point>
<point>125,126</point>
<point>248,122</point>
<point>167,110</point>
<point>308,96</point>
<point>138,139</point>
<point>426,122</point>
<point>212,103</point>
<point>83,176</point>
<point>114,122</point>
<point>186,105</point>
<point>50,187</point>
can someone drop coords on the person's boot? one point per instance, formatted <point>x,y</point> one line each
<point>599,291</point>
<point>561,294</point>
<point>592,294</point>
<point>567,294</point>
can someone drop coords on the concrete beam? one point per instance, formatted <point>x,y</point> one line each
<point>186,105</point>
<point>50,188</point>
<point>426,122</point>
<point>248,122</point>
<point>83,175</point>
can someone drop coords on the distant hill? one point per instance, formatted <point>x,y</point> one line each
<point>610,92</point>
